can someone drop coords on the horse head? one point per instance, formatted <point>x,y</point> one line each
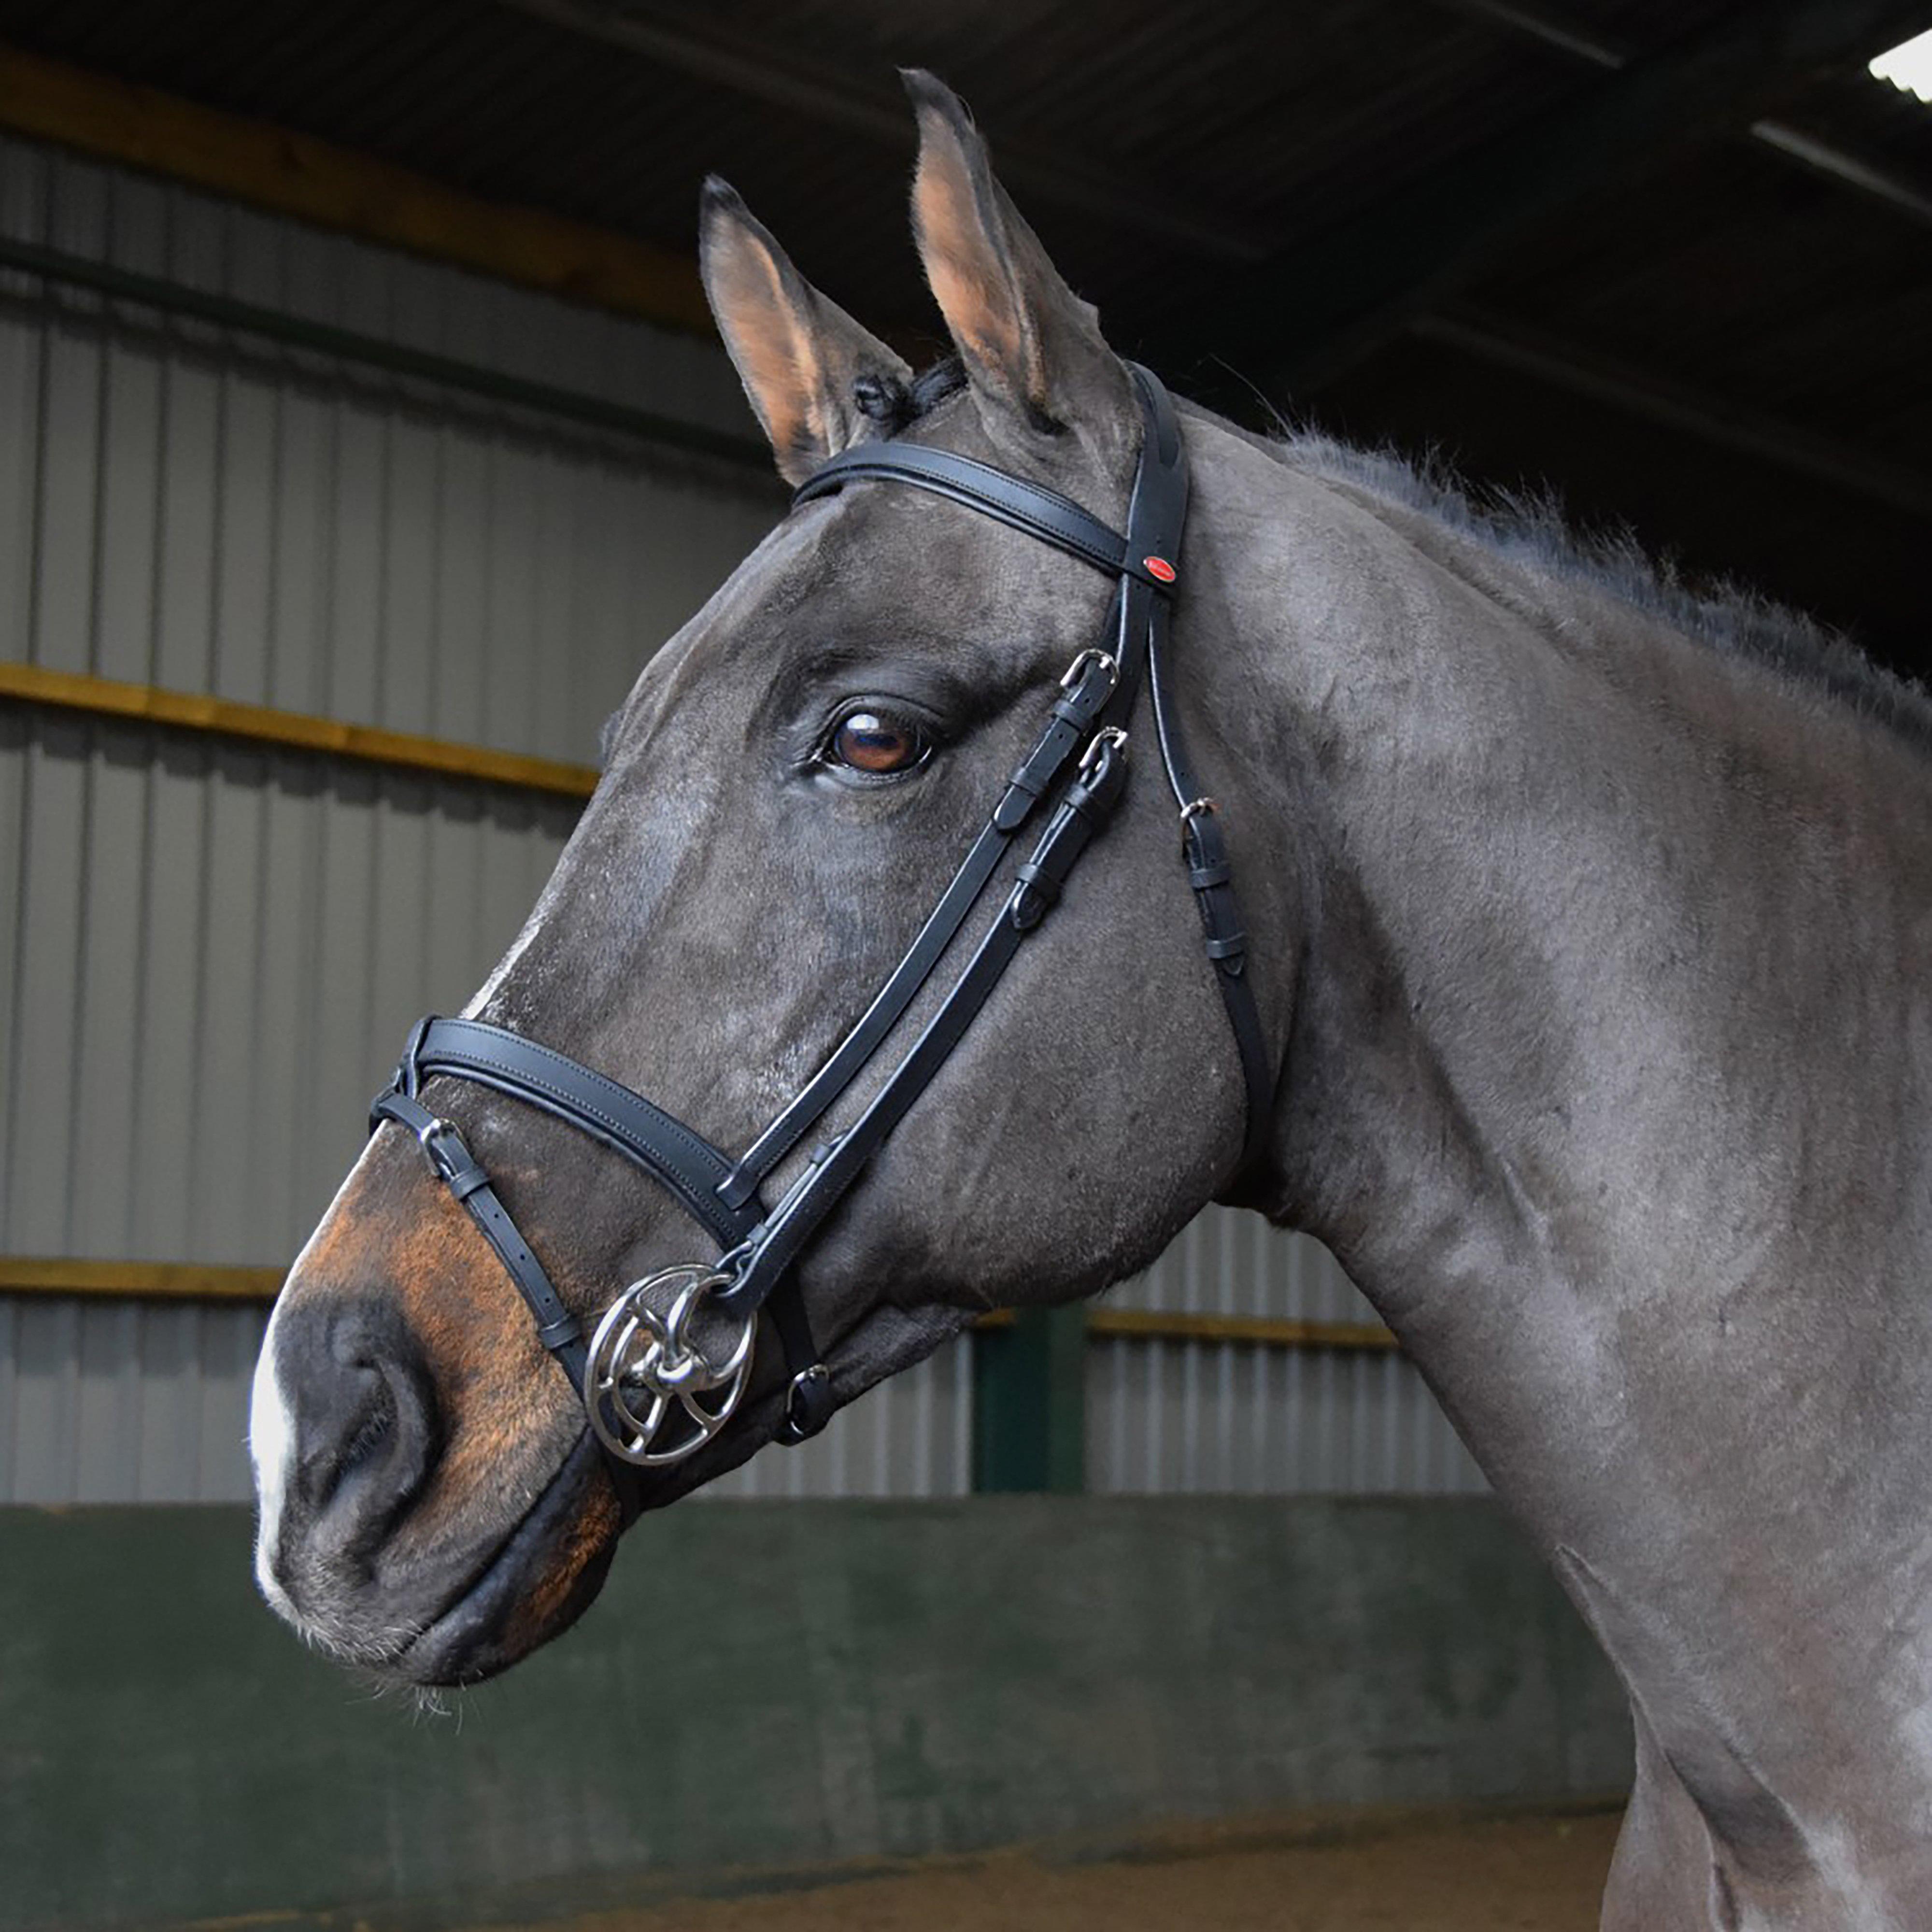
<point>786,792</point>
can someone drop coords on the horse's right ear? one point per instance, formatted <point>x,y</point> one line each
<point>801,357</point>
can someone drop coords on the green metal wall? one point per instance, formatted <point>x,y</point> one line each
<point>772,1684</point>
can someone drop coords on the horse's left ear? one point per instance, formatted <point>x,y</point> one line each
<point>1030,345</point>
<point>803,360</point>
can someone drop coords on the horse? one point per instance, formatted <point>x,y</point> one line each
<point>1583,926</point>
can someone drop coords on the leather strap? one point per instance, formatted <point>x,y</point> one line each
<point>1090,681</point>
<point>1040,512</point>
<point>449,1156</point>
<point>1156,517</point>
<point>1085,808</point>
<point>1225,942</point>
<point>665,1148</point>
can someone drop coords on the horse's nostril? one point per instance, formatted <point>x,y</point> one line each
<point>365,1416</point>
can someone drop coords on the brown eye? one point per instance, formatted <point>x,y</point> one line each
<point>869,742</point>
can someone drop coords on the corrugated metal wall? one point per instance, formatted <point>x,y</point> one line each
<point>195,997</point>
<point>1166,1415</point>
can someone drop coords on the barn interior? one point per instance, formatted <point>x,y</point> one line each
<point>362,431</point>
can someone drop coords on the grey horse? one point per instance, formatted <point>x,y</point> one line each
<point>1590,924</point>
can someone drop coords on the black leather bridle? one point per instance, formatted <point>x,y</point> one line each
<point>1069,784</point>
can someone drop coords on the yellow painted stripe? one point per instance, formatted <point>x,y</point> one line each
<point>193,711</point>
<point>275,168</point>
<point>179,1281</point>
<point>209,1281</point>
<point>1254,1330</point>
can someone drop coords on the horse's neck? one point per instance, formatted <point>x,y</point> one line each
<point>1608,1070</point>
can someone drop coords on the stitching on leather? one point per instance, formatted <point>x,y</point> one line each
<point>702,1150</point>
<point>1037,507</point>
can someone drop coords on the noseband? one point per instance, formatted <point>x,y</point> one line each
<point>652,1393</point>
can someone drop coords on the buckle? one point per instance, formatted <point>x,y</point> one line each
<point>1195,808</point>
<point>1101,748</point>
<point>430,1137</point>
<point>807,1406</point>
<point>1076,672</point>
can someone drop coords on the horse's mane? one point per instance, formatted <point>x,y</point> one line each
<point>1531,530</point>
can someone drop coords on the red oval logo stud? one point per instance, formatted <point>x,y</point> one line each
<point>1160,567</point>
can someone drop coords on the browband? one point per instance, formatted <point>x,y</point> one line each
<point>1031,507</point>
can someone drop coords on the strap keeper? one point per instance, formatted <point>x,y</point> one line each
<point>1231,947</point>
<point>1201,878</point>
<point>738,1186</point>
<point>409,1074</point>
<point>1042,765</point>
<point>561,1333</point>
<point>464,1181</point>
<point>1035,896</point>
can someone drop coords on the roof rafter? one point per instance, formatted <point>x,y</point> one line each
<point>1718,421</point>
<point>1317,307</point>
<point>1832,159</point>
<point>824,93</point>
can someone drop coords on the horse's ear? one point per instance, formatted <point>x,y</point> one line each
<point>803,360</point>
<point>1029,342</point>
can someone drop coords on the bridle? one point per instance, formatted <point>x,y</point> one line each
<point>651,1392</point>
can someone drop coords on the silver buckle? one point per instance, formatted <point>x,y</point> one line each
<point>1093,654</point>
<point>1195,808</point>
<point>1103,744</point>
<point>430,1137</point>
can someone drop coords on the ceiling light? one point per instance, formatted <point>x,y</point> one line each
<point>1909,66</point>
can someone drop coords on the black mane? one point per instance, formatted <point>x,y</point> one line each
<point>1723,616</point>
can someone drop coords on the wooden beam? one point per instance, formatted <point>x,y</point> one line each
<point>259,724</point>
<point>212,1281</point>
<point>289,173</point>
<point>167,1281</point>
<point>1254,1331</point>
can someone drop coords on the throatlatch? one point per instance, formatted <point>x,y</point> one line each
<point>651,1393</point>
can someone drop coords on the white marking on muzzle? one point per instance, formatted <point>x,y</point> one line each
<point>272,1446</point>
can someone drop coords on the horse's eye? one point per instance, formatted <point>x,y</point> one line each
<point>870,741</point>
